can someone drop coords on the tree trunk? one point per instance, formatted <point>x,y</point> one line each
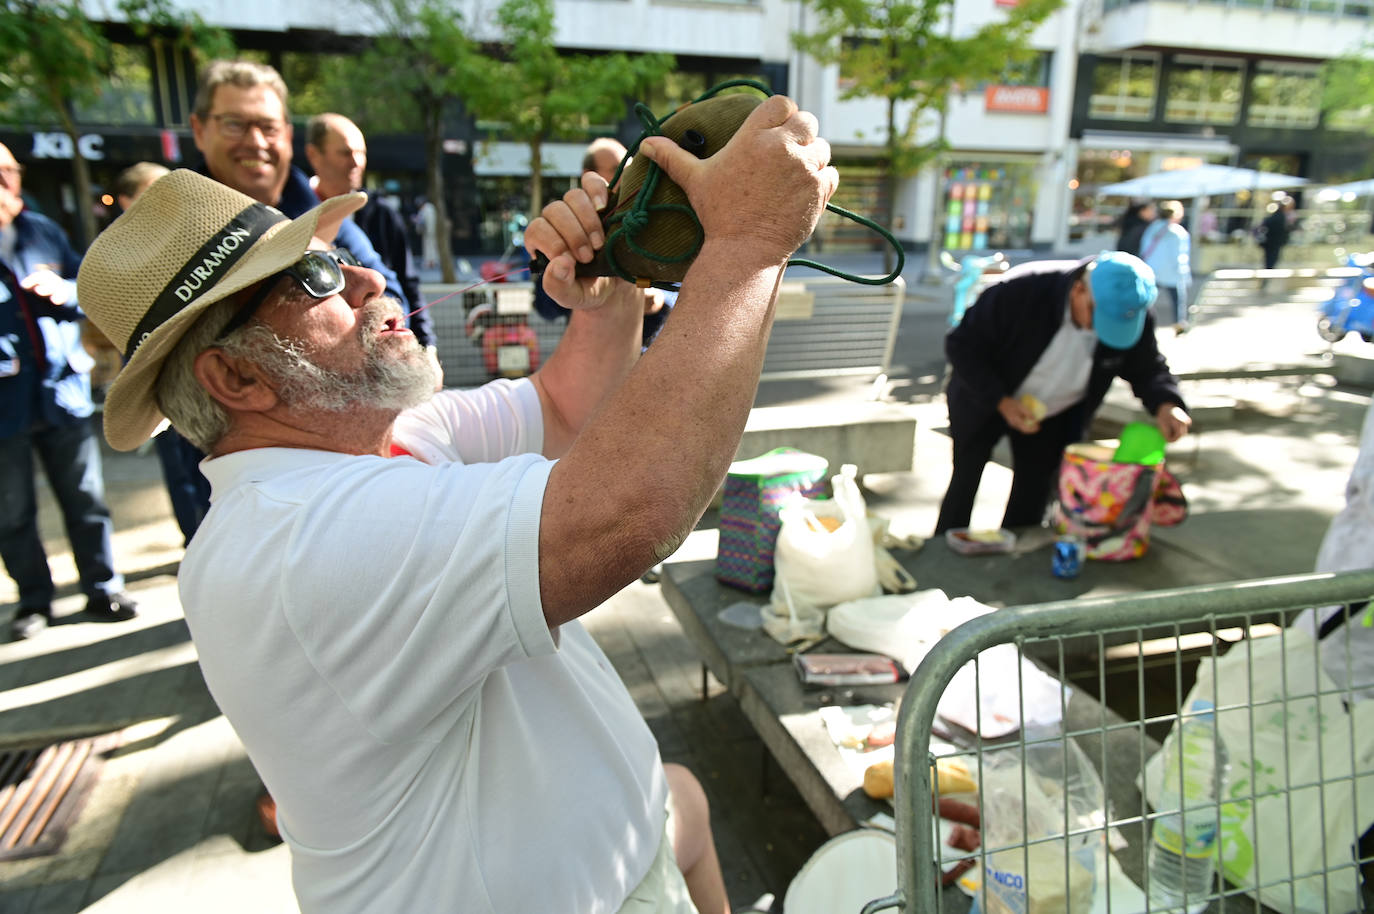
<point>937,209</point>
<point>536,178</point>
<point>434,158</point>
<point>893,181</point>
<point>81,176</point>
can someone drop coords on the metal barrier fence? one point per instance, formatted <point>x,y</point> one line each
<point>1294,801</point>
<point>825,326</point>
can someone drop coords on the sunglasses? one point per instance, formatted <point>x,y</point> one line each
<point>319,273</point>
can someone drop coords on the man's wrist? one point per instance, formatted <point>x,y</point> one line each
<point>741,253</point>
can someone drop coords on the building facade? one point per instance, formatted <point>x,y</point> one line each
<point>1117,89</point>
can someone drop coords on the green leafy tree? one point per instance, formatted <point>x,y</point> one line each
<point>414,73</point>
<point>903,52</point>
<point>538,94</point>
<point>58,59</point>
<point>1348,90</point>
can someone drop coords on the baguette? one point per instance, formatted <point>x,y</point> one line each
<point>951,776</point>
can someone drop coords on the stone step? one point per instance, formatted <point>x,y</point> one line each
<point>876,437</point>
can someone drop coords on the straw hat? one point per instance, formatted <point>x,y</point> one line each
<point>187,242</point>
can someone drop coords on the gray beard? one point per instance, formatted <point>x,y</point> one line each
<point>385,381</point>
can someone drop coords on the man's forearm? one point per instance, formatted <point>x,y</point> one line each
<point>593,357</point>
<point>665,437</point>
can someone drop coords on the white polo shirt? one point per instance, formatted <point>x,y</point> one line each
<point>372,628</point>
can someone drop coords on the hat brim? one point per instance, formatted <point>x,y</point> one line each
<point>131,410</point>
<point>1118,333</point>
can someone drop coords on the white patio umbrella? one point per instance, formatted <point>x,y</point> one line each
<point>1358,188</point>
<point>1202,181</point>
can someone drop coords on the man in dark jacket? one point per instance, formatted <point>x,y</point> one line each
<point>1033,358</point>
<point>240,126</point>
<point>1274,230</point>
<point>45,407</point>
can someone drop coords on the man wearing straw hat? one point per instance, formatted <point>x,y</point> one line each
<point>395,638</point>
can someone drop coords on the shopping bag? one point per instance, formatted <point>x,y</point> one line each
<point>1170,505</point>
<point>823,556</point>
<point>754,492</point>
<point>1110,505</point>
<point>1030,793</point>
<point>1296,760</point>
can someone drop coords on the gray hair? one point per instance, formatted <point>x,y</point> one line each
<point>198,416</point>
<point>245,74</point>
<point>298,379</point>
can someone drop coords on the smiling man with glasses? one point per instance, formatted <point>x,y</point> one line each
<point>241,125</point>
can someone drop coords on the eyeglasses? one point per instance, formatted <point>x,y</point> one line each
<point>11,171</point>
<point>236,128</point>
<point>319,273</point>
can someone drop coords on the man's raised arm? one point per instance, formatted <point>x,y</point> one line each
<point>644,465</point>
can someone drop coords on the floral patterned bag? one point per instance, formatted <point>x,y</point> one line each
<point>1111,505</point>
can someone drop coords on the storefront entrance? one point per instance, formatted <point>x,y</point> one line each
<point>987,207</point>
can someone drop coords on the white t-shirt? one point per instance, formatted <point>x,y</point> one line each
<point>1059,378</point>
<point>372,628</point>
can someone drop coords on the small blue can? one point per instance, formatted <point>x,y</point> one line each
<point>1068,557</point>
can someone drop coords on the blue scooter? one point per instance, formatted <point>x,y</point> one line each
<point>1351,307</point>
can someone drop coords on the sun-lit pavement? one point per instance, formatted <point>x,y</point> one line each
<point>169,825</point>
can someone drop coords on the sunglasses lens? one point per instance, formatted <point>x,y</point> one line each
<point>345,257</point>
<point>318,274</point>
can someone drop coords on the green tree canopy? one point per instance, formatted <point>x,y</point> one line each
<point>538,94</point>
<point>413,74</point>
<point>904,52</point>
<point>1348,90</point>
<point>57,60</point>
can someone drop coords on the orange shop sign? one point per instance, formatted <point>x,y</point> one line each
<point>1017,99</point>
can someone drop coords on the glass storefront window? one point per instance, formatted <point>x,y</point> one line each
<point>1203,91</point>
<point>988,206</point>
<point>863,190</point>
<point>677,88</point>
<point>127,99</point>
<point>1123,88</point>
<point>1284,95</point>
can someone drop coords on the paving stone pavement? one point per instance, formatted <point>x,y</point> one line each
<point>169,826</point>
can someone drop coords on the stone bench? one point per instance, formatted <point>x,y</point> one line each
<point>876,437</point>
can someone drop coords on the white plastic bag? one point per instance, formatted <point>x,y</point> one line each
<point>1301,736</point>
<point>1065,868</point>
<point>903,626</point>
<point>823,556</point>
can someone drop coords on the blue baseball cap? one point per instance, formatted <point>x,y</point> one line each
<point>1123,288</point>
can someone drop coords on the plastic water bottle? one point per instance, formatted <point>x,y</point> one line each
<point>1183,837</point>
